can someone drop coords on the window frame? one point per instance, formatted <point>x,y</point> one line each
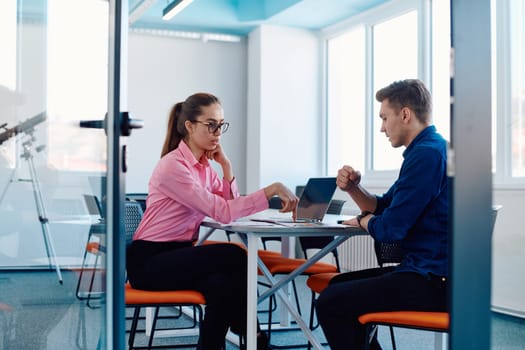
<point>502,97</point>
<point>501,82</point>
<point>368,20</point>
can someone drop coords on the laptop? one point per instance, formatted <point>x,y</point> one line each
<point>313,203</point>
<point>99,186</point>
<point>93,206</point>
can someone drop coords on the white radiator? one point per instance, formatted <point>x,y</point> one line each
<point>357,253</point>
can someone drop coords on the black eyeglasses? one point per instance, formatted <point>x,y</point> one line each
<point>214,127</point>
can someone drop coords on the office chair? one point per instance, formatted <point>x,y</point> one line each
<point>93,289</point>
<point>138,299</point>
<point>138,197</point>
<point>423,320</point>
<point>386,253</point>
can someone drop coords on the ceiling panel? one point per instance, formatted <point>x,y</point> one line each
<point>242,16</point>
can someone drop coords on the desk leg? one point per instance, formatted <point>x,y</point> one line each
<point>287,250</point>
<point>251,321</point>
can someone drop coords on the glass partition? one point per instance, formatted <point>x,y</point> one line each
<point>53,73</point>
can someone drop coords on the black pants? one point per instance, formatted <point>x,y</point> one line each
<point>352,294</point>
<point>218,271</point>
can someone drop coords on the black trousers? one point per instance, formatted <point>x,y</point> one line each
<point>352,294</point>
<point>218,271</point>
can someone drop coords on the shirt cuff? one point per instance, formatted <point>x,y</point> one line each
<point>230,190</point>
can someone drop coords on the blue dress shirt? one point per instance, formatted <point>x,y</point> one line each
<point>414,211</point>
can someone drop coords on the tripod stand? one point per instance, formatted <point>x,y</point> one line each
<point>39,202</point>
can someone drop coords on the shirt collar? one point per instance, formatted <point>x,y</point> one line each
<point>189,157</point>
<point>426,131</point>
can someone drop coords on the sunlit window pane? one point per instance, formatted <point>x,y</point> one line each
<point>346,101</point>
<point>77,86</point>
<point>395,51</point>
<point>517,47</point>
<point>8,44</point>
<point>441,67</point>
<point>9,98</point>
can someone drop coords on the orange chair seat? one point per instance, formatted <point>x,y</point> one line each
<point>279,264</point>
<point>209,242</point>
<point>147,297</point>
<point>414,319</point>
<point>263,254</point>
<point>320,281</point>
<point>93,247</point>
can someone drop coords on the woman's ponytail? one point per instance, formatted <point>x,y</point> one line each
<point>173,136</point>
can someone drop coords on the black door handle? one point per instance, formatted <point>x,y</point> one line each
<point>126,124</point>
<point>93,124</point>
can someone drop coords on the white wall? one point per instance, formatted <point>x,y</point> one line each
<point>508,253</point>
<point>166,70</point>
<point>284,124</point>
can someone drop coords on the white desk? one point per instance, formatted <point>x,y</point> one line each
<point>250,233</point>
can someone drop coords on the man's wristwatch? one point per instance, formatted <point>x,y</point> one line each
<point>360,216</point>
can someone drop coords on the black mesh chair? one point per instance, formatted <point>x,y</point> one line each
<point>138,197</point>
<point>90,284</point>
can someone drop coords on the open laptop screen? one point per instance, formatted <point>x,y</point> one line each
<point>316,197</point>
<point>93,205</point>
<point>98,185</point>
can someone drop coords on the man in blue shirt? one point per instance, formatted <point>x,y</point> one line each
<point>412,213</point>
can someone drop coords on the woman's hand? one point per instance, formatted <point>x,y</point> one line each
<point>217,154</point>
<point>288,199</point>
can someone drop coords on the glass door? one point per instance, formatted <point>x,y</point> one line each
<point>61,184</point>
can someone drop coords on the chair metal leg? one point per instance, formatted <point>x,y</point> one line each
<point>312,310</point>
<point>89,296</point>
<point>371,333</point>
<point>77,293</point>
<point>294,286</point>
<point>392,337</point>
<point>270,313</point>
<point>91,283</point>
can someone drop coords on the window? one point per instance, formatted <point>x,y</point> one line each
<point>395,57</point>
<point>77,64</point>
<point>508,85</point>
<point>361,58</point>
<point>363,55</point>
<point>8,44</point>
<point>346,100</point>
<point>517,87</point>
<point>9,97</point>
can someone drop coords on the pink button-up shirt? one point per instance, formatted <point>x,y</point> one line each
<point>183,191</point>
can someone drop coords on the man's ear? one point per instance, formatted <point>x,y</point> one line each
<point>406,114</point>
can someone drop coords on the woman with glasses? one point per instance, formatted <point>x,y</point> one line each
<point>183,190</point>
